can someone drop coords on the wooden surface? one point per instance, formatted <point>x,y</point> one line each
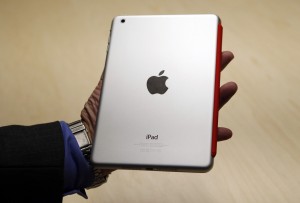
<point>52,54</point>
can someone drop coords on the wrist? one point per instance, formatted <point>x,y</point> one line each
<point>80,132</point>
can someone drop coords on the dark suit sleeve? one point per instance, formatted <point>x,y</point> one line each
<point>31,163</point>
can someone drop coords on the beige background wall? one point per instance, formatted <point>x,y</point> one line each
<point>53,52</point>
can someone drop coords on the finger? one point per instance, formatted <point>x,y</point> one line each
<point>227,56</point>
<point>226,92</point>
<point>224,133</point>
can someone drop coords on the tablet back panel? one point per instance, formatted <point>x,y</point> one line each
<point>157,101</point>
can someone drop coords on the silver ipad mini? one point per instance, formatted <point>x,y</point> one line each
<point>159,102</point>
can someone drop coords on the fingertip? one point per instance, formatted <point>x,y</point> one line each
<point>228,54</point>
<point>224,134</point>
<point>227,57</point>
<point>233,85</point>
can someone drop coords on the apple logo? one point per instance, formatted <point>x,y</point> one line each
<point>157,84</point>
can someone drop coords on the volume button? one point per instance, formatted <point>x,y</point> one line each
<point>109,36</point>
<point>108,41</point>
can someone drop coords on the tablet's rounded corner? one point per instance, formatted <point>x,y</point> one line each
<point>211,164</point>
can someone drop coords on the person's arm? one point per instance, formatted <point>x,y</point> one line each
<point>31,163</point>
<point>40,163</point>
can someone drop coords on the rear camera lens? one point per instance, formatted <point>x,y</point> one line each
<point>123,21</point>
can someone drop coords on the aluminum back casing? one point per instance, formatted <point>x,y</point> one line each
<point>171,131</point>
